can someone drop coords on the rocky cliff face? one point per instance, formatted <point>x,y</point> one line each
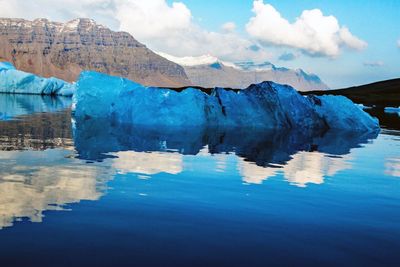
<point>63,50</point>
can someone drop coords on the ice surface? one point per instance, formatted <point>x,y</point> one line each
<point>340,112</point>
<point>362,106</point>
<point>266,105</point>
<point>392,110</point>
<point>16,81</point>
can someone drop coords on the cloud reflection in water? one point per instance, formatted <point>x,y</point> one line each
<point>32,182</point>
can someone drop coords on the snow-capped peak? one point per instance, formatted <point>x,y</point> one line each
<point>190,61</point>
<point>74,24</point>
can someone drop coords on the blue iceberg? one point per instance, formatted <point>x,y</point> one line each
<point>266,105</point>
<point>392,110</point>
<point>20,82</point>
<point>339,112</point>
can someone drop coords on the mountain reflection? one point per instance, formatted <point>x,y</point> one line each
<point>303,158</point>
<point>14,105</point>
<point>37,131</point>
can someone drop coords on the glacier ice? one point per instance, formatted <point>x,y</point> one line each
<point>16,81</point>
<point>339,112</point>
<point>392,110</point>
<point>266,105</point>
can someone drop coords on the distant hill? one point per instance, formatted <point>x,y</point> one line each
<point>63,50</point>
<point>383,93</point>
<point>208,72</point>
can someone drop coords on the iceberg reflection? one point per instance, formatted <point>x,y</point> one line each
<point>302,157</point>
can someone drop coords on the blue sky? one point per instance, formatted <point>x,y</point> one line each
<point>344,42</point>
<point>376,22</point>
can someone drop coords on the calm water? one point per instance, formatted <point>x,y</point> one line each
<point>93,194</point>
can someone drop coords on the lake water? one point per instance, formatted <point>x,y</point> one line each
<point>87,193</point>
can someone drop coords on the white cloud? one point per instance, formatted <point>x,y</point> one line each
<point>398,43</point>
<point>229,27</point>
<point>153,19</point>
<point>102,11</point>
<point>172,29</point>
<point>312,32</point>
<point>378,63</point>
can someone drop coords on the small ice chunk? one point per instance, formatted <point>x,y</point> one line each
<point>20,82</point>
<point>392,110</point>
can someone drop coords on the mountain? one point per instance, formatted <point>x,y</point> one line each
<point>208,71</point>
<point>383,93</point>
<point>63,50</point>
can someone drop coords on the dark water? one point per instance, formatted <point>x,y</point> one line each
<point>93,194</point>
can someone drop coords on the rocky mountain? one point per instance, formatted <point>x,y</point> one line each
<point>208,71</point>
<point>63,50</point>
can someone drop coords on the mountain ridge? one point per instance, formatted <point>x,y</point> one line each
<point>209,71</point>
<point>63,50</point>
<point>381,93</point>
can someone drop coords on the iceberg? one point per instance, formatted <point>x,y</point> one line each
<point>362,106</point>
<point>266,105</point>
<point>392,110</point>
<point>339,112</point>
<point>20,82</point>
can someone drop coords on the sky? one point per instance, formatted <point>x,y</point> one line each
<point>346,43</point>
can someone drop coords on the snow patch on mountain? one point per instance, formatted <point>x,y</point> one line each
<point>195,61</point>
